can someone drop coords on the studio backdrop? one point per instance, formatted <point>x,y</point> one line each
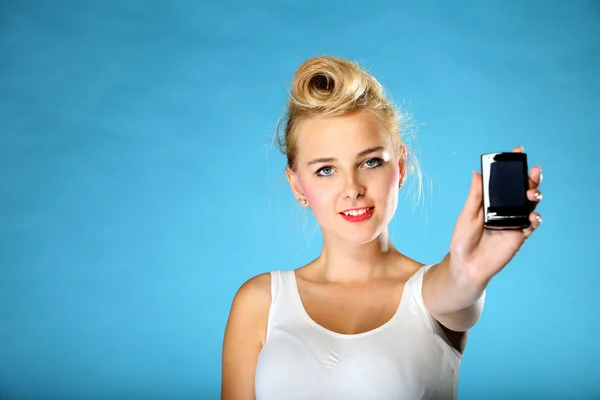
<point>140,185</point>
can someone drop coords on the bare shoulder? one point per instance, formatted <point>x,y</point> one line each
<point>244,337</point>
<point>256,289</point>
<point>251,305</point>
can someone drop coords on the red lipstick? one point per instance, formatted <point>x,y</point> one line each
<point>360,217</point>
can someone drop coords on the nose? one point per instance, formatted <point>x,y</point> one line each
<point>353,187</point>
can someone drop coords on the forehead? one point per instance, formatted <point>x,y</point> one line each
<point>342,135</point>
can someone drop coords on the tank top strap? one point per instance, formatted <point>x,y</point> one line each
<point>413,294</point>
<point>283,299</point>
<point>416,305</point>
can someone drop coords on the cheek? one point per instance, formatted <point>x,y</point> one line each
<point>395,181</point>
<point>317,197</point>
<point>391,181</point>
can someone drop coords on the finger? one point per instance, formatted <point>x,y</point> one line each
<point>519,149</point>
<point>535,177</point>
<point>536,220</point>
<point>534,195</point>
<point>475,197</point>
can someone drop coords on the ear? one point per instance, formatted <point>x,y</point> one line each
<point>402,164</point>
<point>292,178</point>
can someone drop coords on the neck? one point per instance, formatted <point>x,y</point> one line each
<point>349,263</point>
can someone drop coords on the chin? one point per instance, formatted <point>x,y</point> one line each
<point>362,240</point>
<point>362,234</point>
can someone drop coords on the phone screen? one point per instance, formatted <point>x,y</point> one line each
<point>506,184</point>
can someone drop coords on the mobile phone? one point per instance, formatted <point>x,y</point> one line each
<point>505,183</point>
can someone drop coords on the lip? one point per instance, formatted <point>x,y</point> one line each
<point>357,208</point>
<point>358,218</point>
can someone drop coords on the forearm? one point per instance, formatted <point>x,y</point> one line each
<point>454,296</point>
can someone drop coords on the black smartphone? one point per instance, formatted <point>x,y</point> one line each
<point>505,183</point>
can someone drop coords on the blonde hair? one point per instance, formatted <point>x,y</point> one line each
<point>328,86</point>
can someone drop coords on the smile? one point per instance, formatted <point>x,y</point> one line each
<point>357,214</point>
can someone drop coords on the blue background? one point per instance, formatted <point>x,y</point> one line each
<point>140,188</point>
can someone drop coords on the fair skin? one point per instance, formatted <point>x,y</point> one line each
<point>356,283</point>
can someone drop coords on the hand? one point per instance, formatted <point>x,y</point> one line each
<point>480,252</point>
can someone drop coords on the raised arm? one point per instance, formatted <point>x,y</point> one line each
<point>454,289</point>
<point>455,300</point>
<point>244,338</point>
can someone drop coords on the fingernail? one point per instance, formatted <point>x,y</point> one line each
<point>539,219</point>
<point>538,195</point>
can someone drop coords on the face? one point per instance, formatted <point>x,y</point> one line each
<point>349,173</point>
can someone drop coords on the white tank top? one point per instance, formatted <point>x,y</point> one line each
<point>408,357</point>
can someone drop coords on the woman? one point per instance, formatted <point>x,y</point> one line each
<point>362,321</point>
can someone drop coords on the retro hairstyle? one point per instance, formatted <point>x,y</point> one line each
<point>328,86</point>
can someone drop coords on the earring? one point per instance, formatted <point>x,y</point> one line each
<point>303,201</point>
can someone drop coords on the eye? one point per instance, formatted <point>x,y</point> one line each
<point>373,162</point>
<point>324,171</point>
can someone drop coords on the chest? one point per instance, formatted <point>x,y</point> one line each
<point>351,310</point>
<point>401,361</point>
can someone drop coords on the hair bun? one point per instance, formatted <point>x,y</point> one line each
<point>321,83</point>
<point>331,85</point>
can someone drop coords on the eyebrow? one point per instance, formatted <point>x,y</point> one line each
<point>361,154</point>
